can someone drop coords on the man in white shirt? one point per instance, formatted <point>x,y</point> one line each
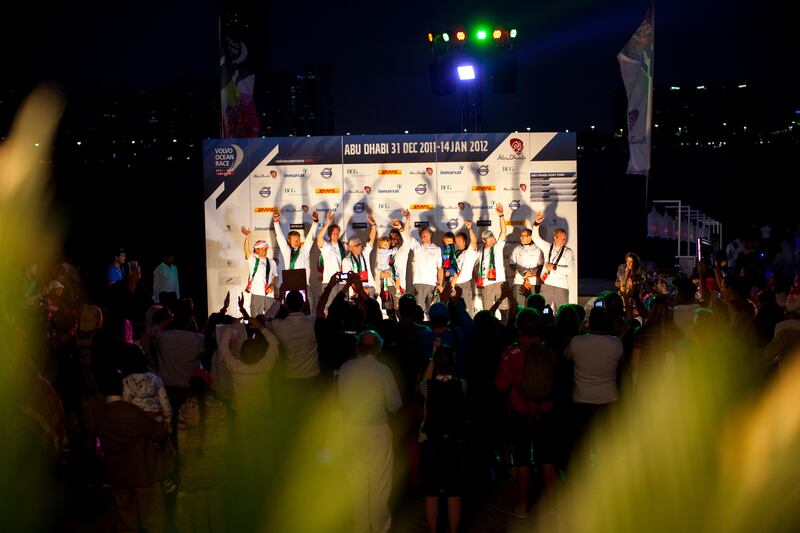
<point>428,272</point>
<point>165,280</point>
<point>525,259</point>
<point>368,390</point>
<point>466,255</point>
<point>559,263</point>
<point>295,254</point>
<point>262,275</point>
<point>491,270</point>
<point>358,260</point>
<point>332,253</point>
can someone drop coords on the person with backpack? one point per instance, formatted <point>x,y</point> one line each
<point>527,375</point>
<point>443,436</point>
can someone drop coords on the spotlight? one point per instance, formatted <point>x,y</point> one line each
<point>466,72</point>
<point>481,35</point>
<point>430,37</point>
<point>460,36</point>
<point>497,34</point>
<point>446,37</point>
<point>512,34</point>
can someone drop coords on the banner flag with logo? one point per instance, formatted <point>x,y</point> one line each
<point>239,117</point>
<point>636,65</point>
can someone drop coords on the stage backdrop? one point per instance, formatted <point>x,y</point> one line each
<point>442,179</point>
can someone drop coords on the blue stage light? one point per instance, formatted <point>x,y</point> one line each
<point>466,72</point>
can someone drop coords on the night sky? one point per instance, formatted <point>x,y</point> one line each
<point>566,51</point>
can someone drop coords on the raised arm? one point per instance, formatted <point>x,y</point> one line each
<point>311,233</point>
<point>373,230</point>
<point>537,238</point>
<point>246,231</point>
<point>499,208</point>
<point>283,245</point>
<point>324,230</point>
<point>473,239</point>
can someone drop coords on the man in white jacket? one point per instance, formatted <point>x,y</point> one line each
<point>559,264</point>
<point>294,253</point>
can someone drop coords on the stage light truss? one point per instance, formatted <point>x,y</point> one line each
<point>480,37</point>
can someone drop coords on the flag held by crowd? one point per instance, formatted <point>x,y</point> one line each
<point>636,65</point>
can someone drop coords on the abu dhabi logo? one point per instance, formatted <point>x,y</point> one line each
<point>429,171</point>
<point>483,170</point>
<point>523,187</point>
<point>265,192</point>
<point>517,145</point>
<point>452,223</point>
<point>326,172</point>
<point>359,208</point>
<point>273,174</point>
<point>421,189</point>
<point>367,189</point>
<point>633,116</point>
<point>227,159</point>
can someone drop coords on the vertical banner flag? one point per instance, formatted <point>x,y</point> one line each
<point>636,65</point>
<point>237,80</point>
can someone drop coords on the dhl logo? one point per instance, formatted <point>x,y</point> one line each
<point>390,172</point>
<point>421,206</point>
<point>334,190</point>
<point>265,210</point>
<point>484,188</point>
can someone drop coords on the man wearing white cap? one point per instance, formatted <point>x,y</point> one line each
<point>357,260</point>
<point>262,275</point>
<point>491,270</point>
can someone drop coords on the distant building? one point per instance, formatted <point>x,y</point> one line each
<point>300,104</point>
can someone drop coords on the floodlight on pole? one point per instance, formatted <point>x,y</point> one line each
<point>466,72</point>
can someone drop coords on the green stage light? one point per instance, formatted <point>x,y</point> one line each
<point>512,34</point>
<point>481,35</point>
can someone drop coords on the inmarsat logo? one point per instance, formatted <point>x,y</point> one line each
<point>265,192</point>
<point>421,189</point>
<point>326,173</point>
<point>359,207</point>
<point>517,145</point>
<point>452,223</point>
<point>483,170</point>
<point>227,159</point>
<point>633,116</point>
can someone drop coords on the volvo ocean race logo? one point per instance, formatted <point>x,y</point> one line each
<point>227,159</point>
